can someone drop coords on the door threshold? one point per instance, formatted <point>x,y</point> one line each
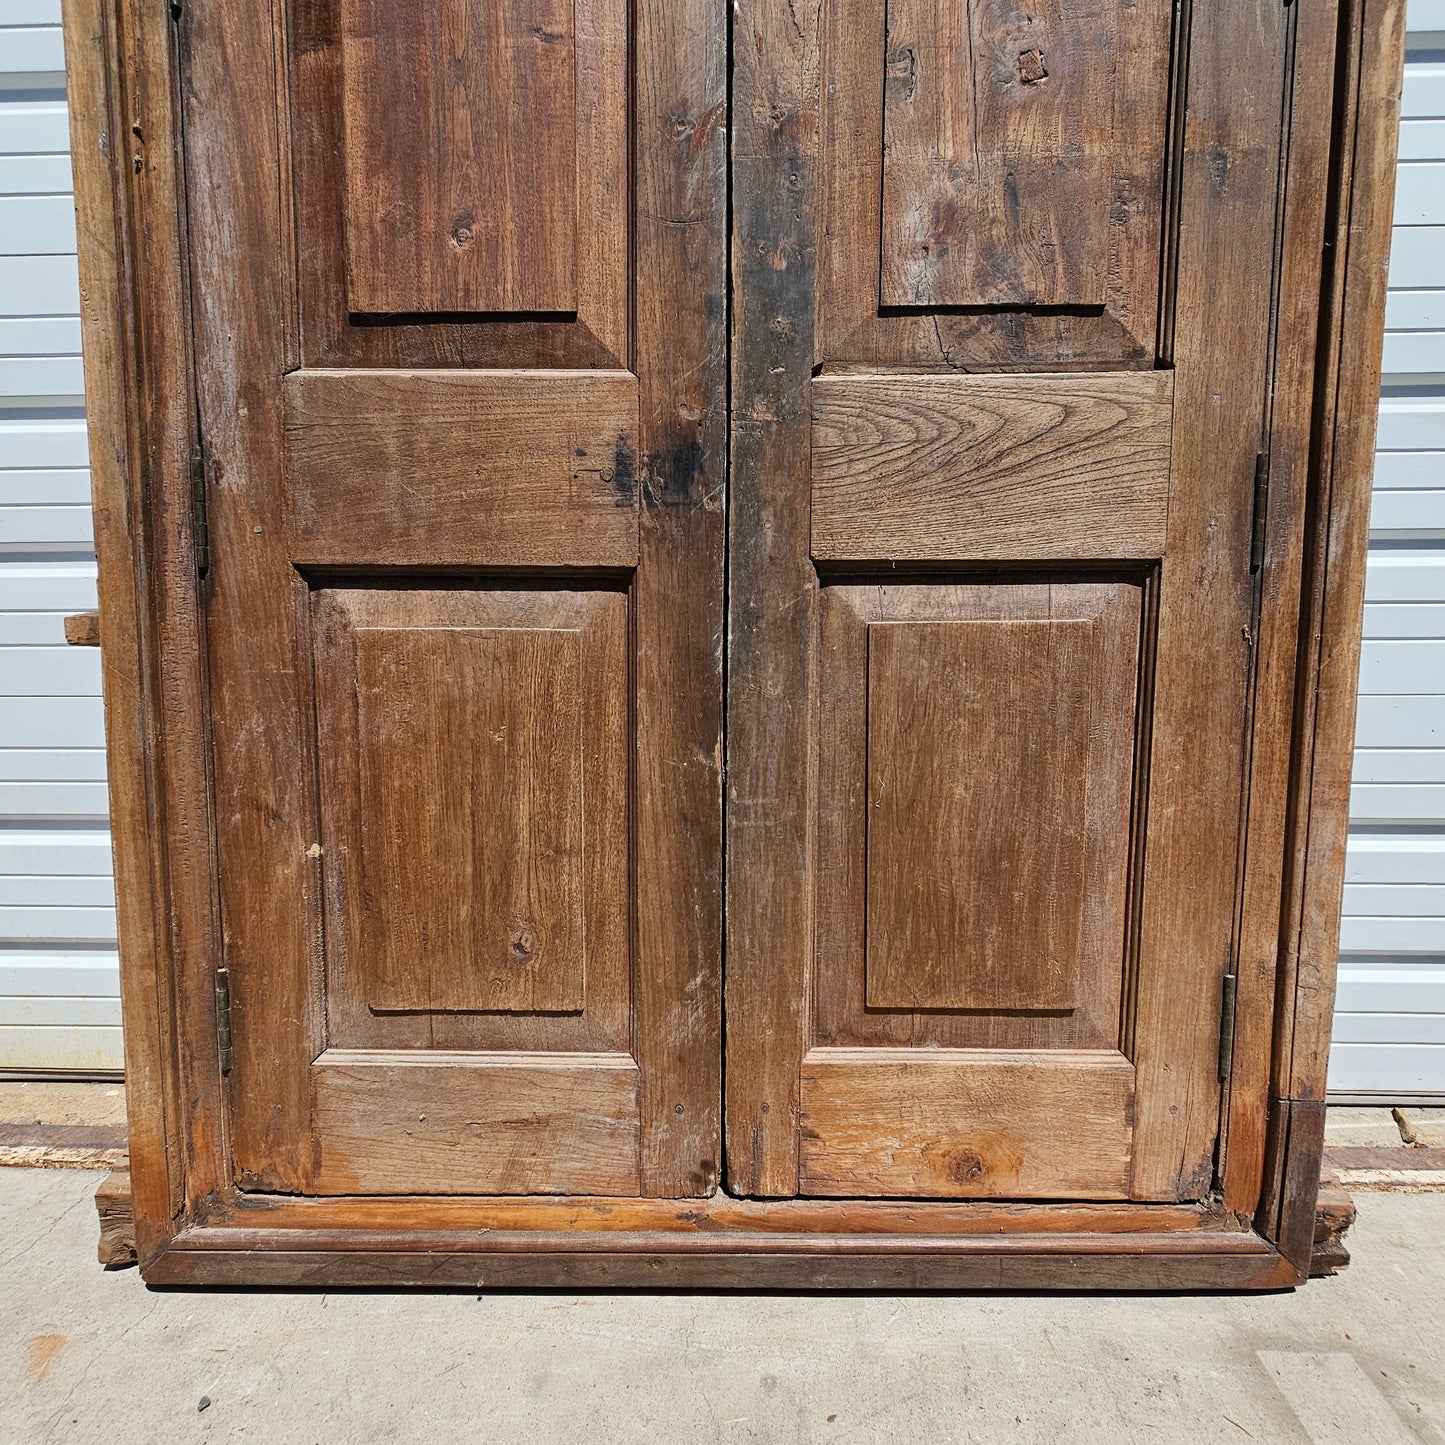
<point>716,1243</point>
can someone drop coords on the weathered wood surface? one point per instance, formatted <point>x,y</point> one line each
<point>966,1123</point>
<point>473,770</point>
<point>424,1122</point>
<point>1334,1214</point>
<point>1197,764</point>
<point>487,220</point>
<point>463,468</point>
<point>1002,949</point>
<point>973,468</point>
<point>1022,150</point>
<point>591,331</point>
<point>1275,630</point>
<point>82,629</point>
<point>115,1208</point>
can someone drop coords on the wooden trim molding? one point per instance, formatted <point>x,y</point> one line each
<point>192,1227</point>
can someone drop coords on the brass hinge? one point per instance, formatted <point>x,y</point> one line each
<point>1261,511</point>
<point>200,524</point>
<point>223,1018</point>
<point>1228,994</point>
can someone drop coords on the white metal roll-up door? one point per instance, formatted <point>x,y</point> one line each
<point>1390,1012</point>
<point>59,1007</point>
<point>59,1003</point>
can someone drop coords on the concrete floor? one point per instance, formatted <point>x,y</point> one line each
<point>85,1355</point>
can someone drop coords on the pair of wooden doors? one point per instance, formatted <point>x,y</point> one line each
<point>913,496</point>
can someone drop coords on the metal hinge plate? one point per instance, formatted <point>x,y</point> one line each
<point>1228,994</point>
<point>200,522</point>
<point>1261,512</point>
<point>223,1018</point>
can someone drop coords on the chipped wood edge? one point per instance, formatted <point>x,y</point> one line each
<point>116,1210</point>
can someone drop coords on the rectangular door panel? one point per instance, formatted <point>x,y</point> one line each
<point>967,1123</point>
<point>429,1123</point>
<point>485,221</point>
<point>909,467</point>
<point>991,181</point>
<point>975,802</point>
<point>1021,151</point>
<point>462,468</point>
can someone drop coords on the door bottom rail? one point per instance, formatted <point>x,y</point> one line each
<point>715,1243</point>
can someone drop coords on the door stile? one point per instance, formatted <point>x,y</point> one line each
<point>771,587</point>
<point>1230,168</point>
<point>260,700</point>
<point>681,346</point>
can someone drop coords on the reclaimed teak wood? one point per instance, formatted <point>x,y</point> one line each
<point>1024,404</point>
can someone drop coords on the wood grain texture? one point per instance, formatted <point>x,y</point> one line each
<point>83,629</point>
<point>139,410</point>
<point>771,591</point>
<point>1228,188</point>
<point>978,771</point>
<point>473,756</point>
<point>967,1123</point>
<point>1299,322</point>
<point>463,468</point>
<point>460,143</point>
<point>596,334</point>
<point>723,1243</point>
<point>115,1208</point>
<point>433,1123</point>
<point>842,1012</point>
<point>237,1259</point>
<point>1335,549</point>
<point>591,1221</point>
<point>681,249</point>
<point>969,468</point>
<point>854,323</point>
<point>998,147</point>
<point>242,298</point>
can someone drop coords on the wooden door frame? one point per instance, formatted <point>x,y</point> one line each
<point>192,1226</point>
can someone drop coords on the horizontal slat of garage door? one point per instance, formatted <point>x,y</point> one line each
<point>59,1004</point>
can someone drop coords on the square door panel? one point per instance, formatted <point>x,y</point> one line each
<point>472,753</point>
<point>976,782</point>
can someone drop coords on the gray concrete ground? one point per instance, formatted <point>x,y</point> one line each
<point>90,1356</point>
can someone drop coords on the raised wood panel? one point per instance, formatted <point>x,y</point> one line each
<point>473,759</point>
<point>992,182</point>
<point>471,818</point>
<point>966,1124</point>
<point>976,747</point>
<point>460,128</point>
<point>976,823</point>
<point>484,207</point>
<point>499,1124</point>
<point>980,467</point>
<point>462,468</point>
<point>997,152</point>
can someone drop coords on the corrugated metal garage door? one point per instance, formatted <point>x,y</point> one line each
<point>58,1004</point>
<point>1390,1019</point>
<point>58,989</point>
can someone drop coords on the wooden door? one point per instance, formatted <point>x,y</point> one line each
<point>457,300</point>
<point>1002,277</point>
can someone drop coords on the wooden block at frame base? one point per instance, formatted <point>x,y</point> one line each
<point>117,1220</point>
<point>1334,1214</point>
